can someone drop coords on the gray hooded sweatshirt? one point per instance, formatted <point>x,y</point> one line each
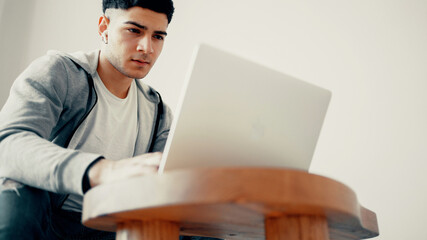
<point>47,103</point>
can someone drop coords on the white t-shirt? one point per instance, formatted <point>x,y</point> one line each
<point>111,130</point>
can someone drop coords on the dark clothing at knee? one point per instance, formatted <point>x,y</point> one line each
<point>25,212</point>
<point>31,213</point>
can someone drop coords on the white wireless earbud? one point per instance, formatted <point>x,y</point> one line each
<point>104,36</point>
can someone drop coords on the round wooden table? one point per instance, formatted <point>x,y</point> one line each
<point>229,203</point>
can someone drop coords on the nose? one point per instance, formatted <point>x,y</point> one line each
<point>145,45</point>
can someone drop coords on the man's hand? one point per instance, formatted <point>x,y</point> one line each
<point>105,171</point>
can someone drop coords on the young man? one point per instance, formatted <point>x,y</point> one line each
<point>74,121</point>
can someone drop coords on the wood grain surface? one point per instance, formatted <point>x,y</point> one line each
<point>229,203</point>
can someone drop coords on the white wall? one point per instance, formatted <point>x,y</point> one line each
<point>15,17</point>
<point>372,54</point>
<point>1,7</point>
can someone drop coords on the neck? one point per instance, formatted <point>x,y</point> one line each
<point>117,83</point>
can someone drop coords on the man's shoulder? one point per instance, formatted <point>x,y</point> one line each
<point>153,96</point>
<point>58,64</point>
<point>149,92</point>
<point>55,71</point>
<point>88,61</point>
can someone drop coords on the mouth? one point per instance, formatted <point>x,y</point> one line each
<point>141,62</point>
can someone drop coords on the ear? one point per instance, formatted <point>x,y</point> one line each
<point>103,24</point>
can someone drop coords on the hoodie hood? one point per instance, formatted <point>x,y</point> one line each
<point>87,60</point>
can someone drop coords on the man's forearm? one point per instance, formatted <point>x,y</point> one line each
<point>34,161</point>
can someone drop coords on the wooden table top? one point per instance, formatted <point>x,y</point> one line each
<point>230,203</point>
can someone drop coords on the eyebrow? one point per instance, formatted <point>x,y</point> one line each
<point>145,28</point>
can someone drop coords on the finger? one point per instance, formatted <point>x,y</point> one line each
<point>152,161</point>
<point>148,170</point>
<point>149,159</point>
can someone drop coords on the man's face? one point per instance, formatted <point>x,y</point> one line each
<point>135,39</point>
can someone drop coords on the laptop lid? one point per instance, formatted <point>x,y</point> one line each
<point>234,112</point>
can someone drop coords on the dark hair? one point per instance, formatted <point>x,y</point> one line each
<point>160,6</point>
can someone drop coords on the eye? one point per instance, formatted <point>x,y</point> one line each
<point>134,30</point>
<point>159,37</point>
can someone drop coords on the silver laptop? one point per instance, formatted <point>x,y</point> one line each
<point>234,112</point>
